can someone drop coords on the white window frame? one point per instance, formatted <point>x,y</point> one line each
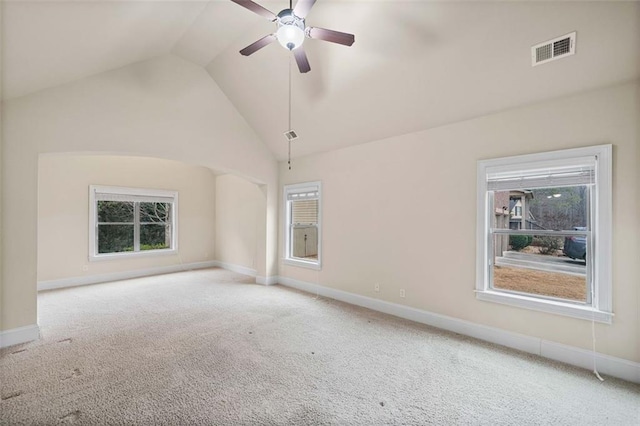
<point>288,258</point>
<point>124,191</point>
<point>600,309</point>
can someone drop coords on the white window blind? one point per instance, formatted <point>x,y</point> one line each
<point>305,211</point>
<point>132,198</point>
<point>130,195</point>
<point>544,177</point>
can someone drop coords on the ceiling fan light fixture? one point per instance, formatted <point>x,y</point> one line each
<point>290,36</point>
<point>291,31</point>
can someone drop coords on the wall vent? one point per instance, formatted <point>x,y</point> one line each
<point>554,49</point>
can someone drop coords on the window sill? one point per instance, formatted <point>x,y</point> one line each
<point>302,263</point>
<point>130,255</point>
<point>550,306</point>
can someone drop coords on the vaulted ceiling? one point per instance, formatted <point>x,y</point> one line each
<point>414,65</point>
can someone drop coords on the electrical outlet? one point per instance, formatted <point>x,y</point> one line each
<point>402,292</point>
<point>376,287</point>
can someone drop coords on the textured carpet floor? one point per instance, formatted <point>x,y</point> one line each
<point>208,347</point>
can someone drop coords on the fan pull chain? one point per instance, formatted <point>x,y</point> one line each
<point>289,139</point>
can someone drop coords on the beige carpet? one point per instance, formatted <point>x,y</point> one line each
<point>207,347</point>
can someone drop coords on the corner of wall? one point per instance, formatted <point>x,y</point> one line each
<point>19,335</point>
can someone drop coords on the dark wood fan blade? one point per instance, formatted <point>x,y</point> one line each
<point>253,47</point>
<point>301,60</point>
<point>256,8</point>
<point>303,7</point>
<point>330,35</point>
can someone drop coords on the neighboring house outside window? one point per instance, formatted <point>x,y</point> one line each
<point>303,224</point>
<point>131,222</point>
<point>555,254</point>
<point>520,210</point>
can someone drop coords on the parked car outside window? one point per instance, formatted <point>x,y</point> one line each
<point>575,246</point>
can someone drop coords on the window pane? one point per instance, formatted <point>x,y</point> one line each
<point>155,237</point>
<point>115,211</point>
<point>115,238</point>
<point>155,212</point>
<point>305,242</point>
<point>539,265</point>
<point>558,209</point>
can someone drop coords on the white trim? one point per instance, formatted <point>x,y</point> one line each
<point>302,263</point>
<point>124,275</point>
<point>130,254</point>
<point>271,280</point>
<point>602,310</point>
<point>15,336</point>
<point>236,268</point>
<point>603,230</point>
<point>543,305</point>
<point>483,223</point>
<point>132,191</point>
<point>606,364</point>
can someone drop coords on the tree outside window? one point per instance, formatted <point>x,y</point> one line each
<point>131,220</point>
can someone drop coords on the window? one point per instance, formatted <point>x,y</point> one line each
<point>554,253</point>
<point>131,222</point>
<point>518,211</point>
<point>302,207</point>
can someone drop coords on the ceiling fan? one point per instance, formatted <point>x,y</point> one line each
<point>291,30</point>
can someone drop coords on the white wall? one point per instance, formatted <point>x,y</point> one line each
<point>1,169</point>
<point>391,213</point>
<point>63,211</point>
<point>239,209</point>
<point>164,107</point>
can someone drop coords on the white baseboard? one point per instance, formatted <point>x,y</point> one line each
<point>605,364</point>
<point>19,335</point>
<point>273,279</point>
<point>124,275</point>
<point>612,366</point>
<point>236,268</point>
<point>248,271</point>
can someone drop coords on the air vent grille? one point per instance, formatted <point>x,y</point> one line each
<point>543,53</point>
<point>553,49</point>
<point>291,135</point>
